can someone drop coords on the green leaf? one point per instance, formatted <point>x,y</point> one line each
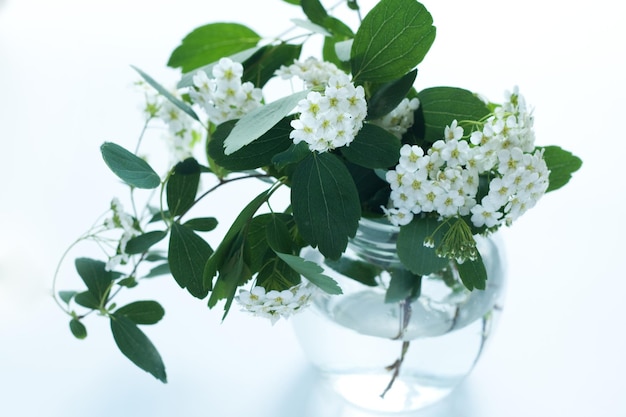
<point>393,38</point>
<point>314,10</point>
<point>131,169</point>
<point>402,286</point>
<point>243,219</point>
<point>262,66</point>
<point>293,154</point>
<point>95,276</point>
<point>389,95</point>
<point>136,346</point>
<point>254,124</point>
<point>312,272</point>
<point>473,273</point>
<point>188,253</point>
<point>360,271</point>
<point>277,275</point>
<point>277,234</point>
<point>201,224</point>
<point>416,257</point>
<point>142,312</point>
<point>87,300</point>
<point>78,329</point>
<point>66,296</point>
<point>257,238</point>
<point>233,272</point>
<point>439,106</point>
<point>166,93</point>
<point>162,269</point>
<point>256,154</point>
<point>373,191</point>
<point>128,282</point>
<point>562,164</point>
<point>182,186</point>
<point>325,203</point>
<point>211,42</point>
<point>142,243</point>
<point>373,147</point>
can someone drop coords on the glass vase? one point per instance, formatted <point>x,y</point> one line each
<point>397,357</point>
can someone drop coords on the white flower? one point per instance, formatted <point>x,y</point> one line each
<point>453,131</point>
<point>330,120</point>
<point>400,119</point>
<point>485,216</point>
<point>312,71</point>
<point>275,304</point>
<point>224,97</point>
<point>398,216</point>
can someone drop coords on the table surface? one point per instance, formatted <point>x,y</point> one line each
<point>65,87</point>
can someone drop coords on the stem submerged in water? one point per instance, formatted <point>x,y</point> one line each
<point>405,317</point>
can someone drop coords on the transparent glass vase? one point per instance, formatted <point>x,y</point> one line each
<point>397,357</point>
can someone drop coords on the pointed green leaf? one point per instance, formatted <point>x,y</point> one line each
<point>360,271</point>
<point>233,273</point>
<point>218,258</point>
<point>562,164</point>
<point>131,169</point>
<point>254,124</point>
<point>416,257</point>
<point>78,329</point>
<point>277,235</point>
<point>128,282</point>
<point>166,93</point>
<point>402,286</point>
<point>142,312</point>
<point>311,271</point>
<point>87,300</point>
<point>325,203</point>
<point>256,154</point>
<point>439,106</point>
<point>314,10</point>
<point>393,38</point>
<point>473,273</point>
<point>162,269</point>
<point>373,147</point>
<point>389,95</point>
<point>136,346</point>
<point>277,275</point>
<point>95,276</point>
<point>293,154</point>
<point>201,224</point>
<point>142,243</point>
<point>182,186</point>
<point>66,296</point>
<point>188,253</point>
<point>209,43</point>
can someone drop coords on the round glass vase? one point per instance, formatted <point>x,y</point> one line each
<point>397,357</point>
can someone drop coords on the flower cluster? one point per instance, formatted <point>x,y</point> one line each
<point>120,220</point>
<point>312,71</point>
<point>332,119</point>
<point>400,119</point>
<point>224,97</point>
<point>183,132</point>
<point>445,178</point>
<point>275,304</point>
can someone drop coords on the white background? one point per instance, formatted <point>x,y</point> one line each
<point>65,87</point>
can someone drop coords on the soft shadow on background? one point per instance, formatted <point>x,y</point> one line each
<point>65,87</point>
